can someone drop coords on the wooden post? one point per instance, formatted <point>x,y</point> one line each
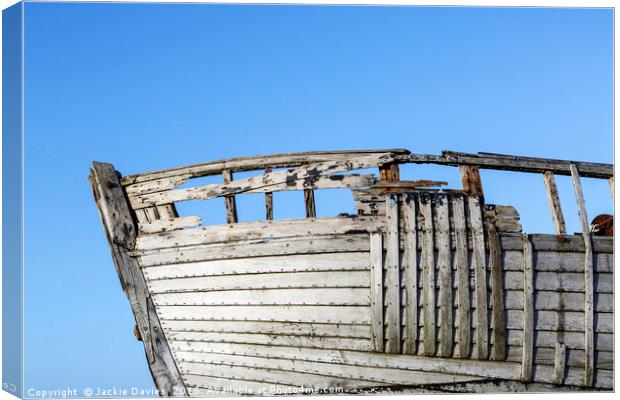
<point>376,290</point>
<point>497,294</point>
<point>231,205</point>
<point>268,201</point>
<point>121,233</point>
<point>389,172</point>
<point>462,276</point>
<point>410,261</point>
<point>588,279</point>
<point>527,357</point>
<point>559,364</point>
<point>444,261</point>
<point>392,277</point>
<point>309,201</point>
<point>554,203</point>
<point>611,188</point>
<point>470,176</point>
<point>481,350</point>
<point>428,267</point>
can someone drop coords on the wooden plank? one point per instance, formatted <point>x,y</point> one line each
<point>445,277</point>
<point>376,290</point>
<point>574,243</point>
<point>158,185</point>
<point>528,311</point>
<point>392,276</point>
<point>497,294</point>
<point>309,203</point>
<point>389,172</point>
<point>565,281</point>
<point>410,261</point>
<point>481,350</point>
<point>318,314</point>
<point>550,261</point>
<point>204,386</point>
<point>554,203</point>
<point>428,271</point>
<point>573,358</point>
<point>588,280</point>
<point>559,366</point>
<point>515,163</point>
<point>462,276</point>
<point>359,331</point>
<point>571,321</point>
<point>229,201</point>
<point>121,233</point>
<point>401,186</point>
<point>318,342</point>
<point>357,261</point>
<point>268,201</point>
<point>256,248</point>
<point>470,177</point>
<point>322,279</point>
<point>167,211</point>
<point>611,188</point>
<point>257,230</point>
<point>559,301</point>
<point>572,340</point>
<point>167,225</point>
<point>259,162</point>
<point>313,176</point>
<point>291,296</point>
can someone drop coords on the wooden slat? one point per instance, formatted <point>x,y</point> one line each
<point>481,350</point>
<point>611,188</point>
<point>445,278</point>
<point>462,276</point>
<point>229,201</point>
<point>550,261</point>
<point>559,301</point>
<point>311,176</point>
<point>167,211</point>
<point>376,290</point>
<point>554,203</point>
<point>528,311</point>
<point>318,314</point>
<point>574,243</point>
<point>428,271</point>
<point>392,276</point>
<point>167,225</point>
<point>572,340</point>
<point>470,176</point>
<point>559,366</point>
<point>322,279</point>
<point>268,201</point>
<point>588,280</point>
<point>410,261</point>
<point>572,321</point>
<point>121,233</point>
<point>389,172</point>
<point>309,203</point>
<point>497,294</point>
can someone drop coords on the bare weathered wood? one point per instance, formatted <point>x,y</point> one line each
<point>376,290</point>
<point>121,232</point>
<point>497,294</point>
<point>515,163</point>
<point>397,186</point>
<point>259,162</point>
<point>470,177</point>
<point>313,176</point>
<point>462,277</point>
<point>268,201</point>
<point>445,278</point>
<point>392,277</point>
<point>481,349</point>
<point>229,201</point>
<point>410,261</point>
<point>167,211</point>
<point>528,311</point>
<point>571,243</point>
<point>559,366</point>
<point>611,188</point>
<point>166,225</point>
<point>309,203</point>
<point>389,172</point>
<point>428,271</point>
<point>554,203</point>
<point>588,279</point>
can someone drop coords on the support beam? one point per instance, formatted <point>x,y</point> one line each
<point>392,277</point>
<point>444,261</point>
<point>376,290</point>
<point>470,176</point>
<point>554,203</point>
<point>461,262</point>
<point>527,357</point>
<point>559,365</point>
<point>309,202</point>
<point>497,294</point>
<point>428,272</point>
<point>410,265</point>
<point>231,204</point>
<point>389,172</point>
<point>268,201</point>
<point>611,188</point>
<point>481,349</point>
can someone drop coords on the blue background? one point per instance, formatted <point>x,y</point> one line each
<point>156,86</point>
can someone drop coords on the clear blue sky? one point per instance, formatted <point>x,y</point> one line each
<point>156,86</point>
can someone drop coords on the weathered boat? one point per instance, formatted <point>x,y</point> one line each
<point>425,289</point>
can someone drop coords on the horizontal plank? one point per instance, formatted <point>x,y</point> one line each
<point>283,280</point>
<point>384,375</point>
<point>567,301</point>
<point>270,328</point>
<point>318,314</point>
<point>573,340</point>
<point>258,230</point>
<point>325,297</point>
<point>574,358</point>
<point>603,379</point>
<point>516,163</point>
<point>255,163</point>
<point>564,281</point>
<point>334,244</point>
<point>157,185</point>
<point>203,386</point>
<point>169,224</point>
<point>258,265</point>
<point>273,340</point>
<point>296,178</point>
<point>570,321</point>
<point>552,261</point>
<point>570,243</point>
<point>482,368</point>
